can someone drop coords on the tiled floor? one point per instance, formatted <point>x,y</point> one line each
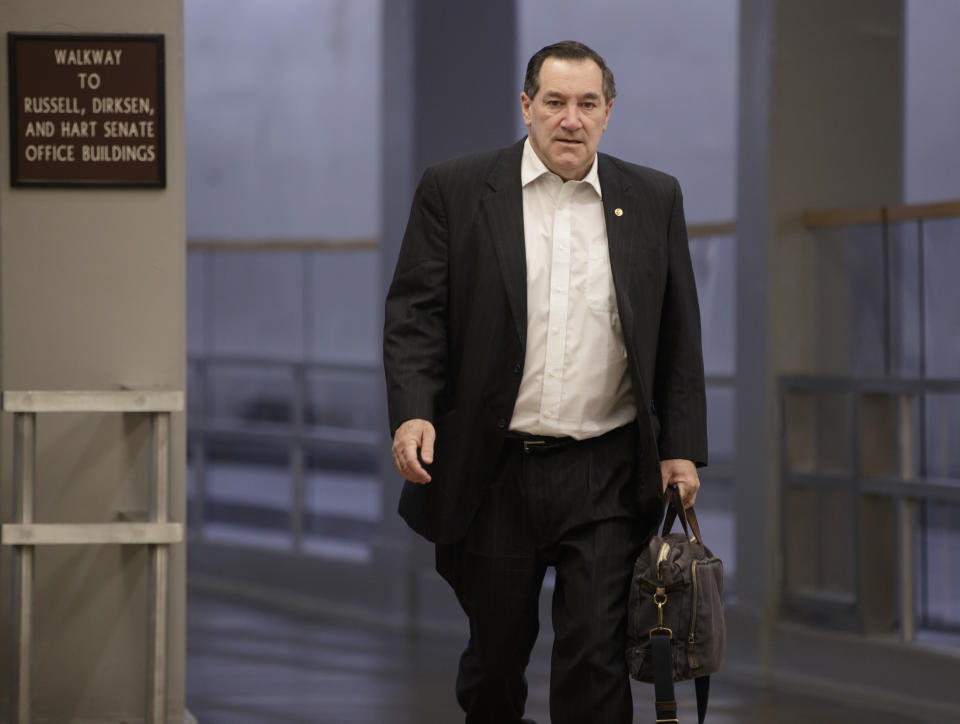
<point>249,665</point>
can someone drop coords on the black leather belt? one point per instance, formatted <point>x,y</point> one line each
<point>538,444</point>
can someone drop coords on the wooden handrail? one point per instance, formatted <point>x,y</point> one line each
<point>715,228</point>
<point>815,219</point>
<point>719,228</point>
<point>854,216</point>
<point>915,212</point>
<point>264,244</point>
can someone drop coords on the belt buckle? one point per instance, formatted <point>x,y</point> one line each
<point>530,446</point>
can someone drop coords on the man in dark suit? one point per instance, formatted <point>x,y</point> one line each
<point>545,384</point>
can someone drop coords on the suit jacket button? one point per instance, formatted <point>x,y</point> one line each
<point>518,368</point>
<point>501,423</point>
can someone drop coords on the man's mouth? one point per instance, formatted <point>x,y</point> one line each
<point>569,141</point>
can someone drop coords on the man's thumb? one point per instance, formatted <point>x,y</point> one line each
<point>426,450</point>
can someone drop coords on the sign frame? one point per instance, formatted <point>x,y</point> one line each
<point>160,180</point>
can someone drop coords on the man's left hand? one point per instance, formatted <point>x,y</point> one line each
<point>683,474</point>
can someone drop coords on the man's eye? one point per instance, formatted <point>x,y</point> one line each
<point>553,104</point>
<point>590,105</point>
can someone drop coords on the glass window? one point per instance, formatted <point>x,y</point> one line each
<point>248,493</point>
<point>819,543</point>
<point>714,264</point>
<point>818,431</point>
<point>941,244</point>
<point>942,454</point>
<point>246,392</point>
<point>939,547</point>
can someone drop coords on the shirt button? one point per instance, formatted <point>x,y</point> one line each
<point>547,415</point>
<point>553,373</point>
<point>556,330</point>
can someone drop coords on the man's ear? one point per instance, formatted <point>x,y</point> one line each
<point>606,115</point>
<point>525,104</point>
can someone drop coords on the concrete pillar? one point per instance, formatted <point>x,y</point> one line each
<point>92,297</point>
<point>450,87</point>
<point>820,125</point>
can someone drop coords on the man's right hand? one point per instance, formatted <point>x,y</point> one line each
<point>411,436</point>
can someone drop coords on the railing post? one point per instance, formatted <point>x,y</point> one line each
<point>159,560</point>
<point>906,516</point>
<point>887,293</point>
<point>298,457</point>
<point>24,472</point>
<point>198,446</point>
<point>906,524</point>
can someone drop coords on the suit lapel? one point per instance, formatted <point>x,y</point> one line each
<point>621,212</point>
<point>503,207</point>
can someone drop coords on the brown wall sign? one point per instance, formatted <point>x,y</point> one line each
<point>86,110</point>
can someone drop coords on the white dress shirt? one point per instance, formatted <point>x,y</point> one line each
<point>575,380</point>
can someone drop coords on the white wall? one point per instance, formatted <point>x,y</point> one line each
<point>283,141</point>
<point>932,106</point>
<point>283,118</point>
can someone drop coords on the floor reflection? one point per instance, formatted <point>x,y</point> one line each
<point>251,665</point>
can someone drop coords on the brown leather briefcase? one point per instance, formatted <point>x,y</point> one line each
<point>675,625</point>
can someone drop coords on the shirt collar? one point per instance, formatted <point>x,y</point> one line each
<point>532,168</point>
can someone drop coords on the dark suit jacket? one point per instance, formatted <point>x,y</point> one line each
<point>456,322</point>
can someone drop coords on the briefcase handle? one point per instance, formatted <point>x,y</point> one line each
<point>675,509</point>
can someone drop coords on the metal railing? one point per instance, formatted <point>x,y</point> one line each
<point>213,436</point>
<point>880,464</point>
<point>281,433</point>
<point>25,534</point>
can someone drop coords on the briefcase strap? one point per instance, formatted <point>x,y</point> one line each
<point>702,684</point>
<point>688,518</point>
<point>666,702</point>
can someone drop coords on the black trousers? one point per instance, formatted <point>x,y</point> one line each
<point>571,509</point>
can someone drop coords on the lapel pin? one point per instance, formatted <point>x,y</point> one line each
<point>618,211</point>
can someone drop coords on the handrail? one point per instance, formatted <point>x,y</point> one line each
<point>326,365</point>
<point>267,244</point>
<point>707,229</point>
<point>812,219</point>
<point>879,214</point>
<point>91,400</point>
<point>711,228</point>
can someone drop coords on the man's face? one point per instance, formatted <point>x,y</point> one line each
<point>567,116</point>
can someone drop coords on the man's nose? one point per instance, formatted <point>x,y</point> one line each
<point>571,117</point>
